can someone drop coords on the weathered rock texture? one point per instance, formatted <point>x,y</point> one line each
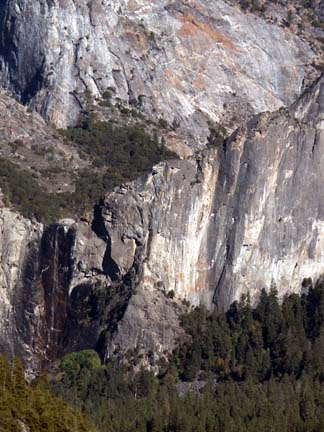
<point>186,61</point>
<point>227,221</point>
<point>59,293</point>
<point>32,145</point>
<point>234,219</point>
<point>17,237</point>
<point>36,271</point>
<point>231,220</point>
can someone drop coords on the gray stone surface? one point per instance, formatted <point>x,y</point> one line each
<point>224,222</point>
<point>186,61</point>
<point>57,296</point>
<point>230,220</point>
<point>17,237</point>
<point>32,145</point>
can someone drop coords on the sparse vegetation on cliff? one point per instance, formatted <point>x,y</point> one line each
<point>119,154</point>
<point>217,135</point>
<point>302,13</point>
<point>22,191</point>
<point>124,150</point>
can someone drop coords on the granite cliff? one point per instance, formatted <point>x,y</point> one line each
<point>232,220</point>
<point>187,62</point>
<point>227,221</point>
<point>223,221</point>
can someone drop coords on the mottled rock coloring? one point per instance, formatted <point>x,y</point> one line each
<point>187,62</point>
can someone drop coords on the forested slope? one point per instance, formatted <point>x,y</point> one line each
<point>249,369</point>
<point>31,408</point>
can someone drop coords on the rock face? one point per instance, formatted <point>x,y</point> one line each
<point>32,145</point>
<point>36,276</point>
<point>226,221</point>
<point>59,293</point>
<point>17,237</point>
<point>188,62</point>
<point>230,220</point>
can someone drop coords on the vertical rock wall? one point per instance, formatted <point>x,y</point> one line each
<point>232,220</point>
<point>187,62</point>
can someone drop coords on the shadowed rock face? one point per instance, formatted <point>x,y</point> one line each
<point>19,238</point>
<point>188,62</point>
<point>228,221</point>
<point>233,220</point>
<point>57,296</point>
<point>35,277</point>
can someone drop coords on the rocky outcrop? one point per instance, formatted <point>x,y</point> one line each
<point>18,237</point>
<point>189,62</point>
<point>59,293</point>
<point>32,145</point>
<point>230,220</point>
